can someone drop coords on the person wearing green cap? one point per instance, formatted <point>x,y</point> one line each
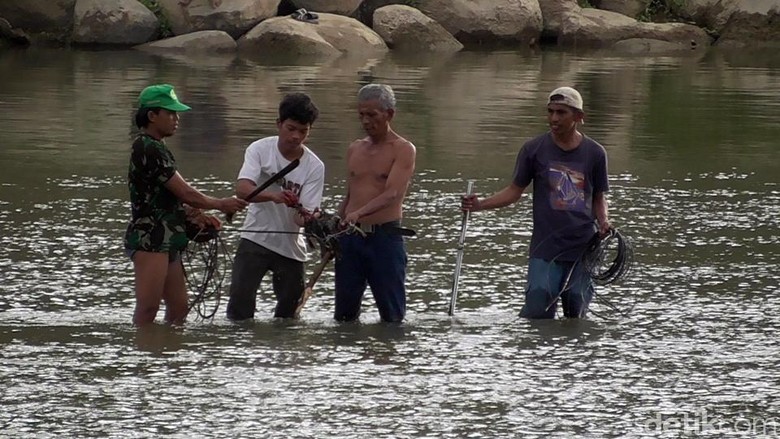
<point>161,204</point>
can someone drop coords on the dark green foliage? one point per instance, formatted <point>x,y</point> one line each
<point>661,10</point>
<point>165,24</point>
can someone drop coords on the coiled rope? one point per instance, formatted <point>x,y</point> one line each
<point>206,259</point>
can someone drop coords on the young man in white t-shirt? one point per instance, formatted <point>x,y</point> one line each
<point>262,247</point>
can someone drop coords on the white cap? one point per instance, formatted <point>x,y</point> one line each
<point>566,96</point>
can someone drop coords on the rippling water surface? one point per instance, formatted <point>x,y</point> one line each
<point>692,146</point>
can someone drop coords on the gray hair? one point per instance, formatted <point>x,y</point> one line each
<point>382,93</point>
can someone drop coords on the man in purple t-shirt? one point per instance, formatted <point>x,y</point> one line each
<point>569,174</point>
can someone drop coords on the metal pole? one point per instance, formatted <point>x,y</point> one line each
<point>459,259</point>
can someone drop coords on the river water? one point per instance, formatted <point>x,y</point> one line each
<point>692,143</point>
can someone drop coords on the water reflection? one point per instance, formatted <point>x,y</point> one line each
<point>690,142</point>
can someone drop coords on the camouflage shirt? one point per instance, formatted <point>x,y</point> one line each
<point>158,217</point>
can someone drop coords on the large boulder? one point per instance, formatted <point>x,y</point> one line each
<point>11,35</point>
<point>207,41</point>
<point>647,46</point>
<point>236,17</point>
<point>714,14</point>
<point>595,28</point>
<point>482,21</point>
<point>340,7</point>
<point>122,22</point>
<point>365,12</point>
<point>751,30</point>
<point>629,8</point>
<point>553,12</point>
<point>332,35</point>
<point>406,28</point>
<point>52,16</point>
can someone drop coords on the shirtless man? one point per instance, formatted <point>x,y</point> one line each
<point>380,167</point>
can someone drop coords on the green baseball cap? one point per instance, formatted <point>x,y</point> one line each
<point>161,96</point>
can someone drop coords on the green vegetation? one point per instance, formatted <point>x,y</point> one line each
<point>412,3</point>
<point>165,24</point>
<point>661,10</point>
<point>584,4</point>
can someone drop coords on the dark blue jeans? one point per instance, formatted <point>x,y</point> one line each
<point>379,261</point>
<point>545,280</point>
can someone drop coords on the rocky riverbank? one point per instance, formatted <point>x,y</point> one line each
<point>333,27</point>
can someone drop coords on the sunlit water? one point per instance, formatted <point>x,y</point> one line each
<point>694,175</point>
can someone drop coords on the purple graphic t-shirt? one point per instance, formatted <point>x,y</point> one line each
<point>564,183</point>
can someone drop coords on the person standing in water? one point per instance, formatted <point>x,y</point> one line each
<point>380,167</point>
<point>569,174</point>
<point>161,203</point>
<point>262,247</point>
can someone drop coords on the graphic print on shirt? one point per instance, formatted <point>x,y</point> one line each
<point>290,186</point>
<point>567,187</point>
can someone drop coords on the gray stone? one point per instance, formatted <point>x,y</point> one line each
<point>11,35</point>
<point>648,46</point>
<point>593,28</point>
<point>54,17</point>
<point>236,17</point>
<point>340,7</point>
<point>552,14</point>
<point>207,41</point>
<point>116,22</point>
<point>487,21</point>
<point>333,35</point>
<point>629,8</point>
<point>754,30</point>
<point>406,28</point>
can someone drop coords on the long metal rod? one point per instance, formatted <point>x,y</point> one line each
<point>459,258</point>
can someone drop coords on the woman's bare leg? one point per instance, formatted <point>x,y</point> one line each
<point>175,294</point>
<point>151,271</point>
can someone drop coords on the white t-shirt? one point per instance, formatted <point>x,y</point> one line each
<point>262,160</point>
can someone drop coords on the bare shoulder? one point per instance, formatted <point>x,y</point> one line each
<point>357,143</point>
<point>404,146</point>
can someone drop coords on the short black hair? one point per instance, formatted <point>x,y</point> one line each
<point>142,116</point>
<point>298,107</point>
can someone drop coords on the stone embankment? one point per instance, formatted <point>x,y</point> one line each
<point>334,27</point>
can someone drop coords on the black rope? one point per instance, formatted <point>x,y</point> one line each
<point>602,270</point>
<point>599,250</point>
<point>206,263</point>
<point>609,260</point>
<point>206,260</point>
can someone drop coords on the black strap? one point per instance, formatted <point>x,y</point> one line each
<point>403,231</point>
<point>392,227</point>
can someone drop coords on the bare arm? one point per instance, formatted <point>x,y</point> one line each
<point>244,188</point>
<point>395,188</point>
<point>195,198</point>
<point>502,198</point>
<point>343,205</point>
<point>601,210</point>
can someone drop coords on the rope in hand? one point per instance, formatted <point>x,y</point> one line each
<point>597,253</point>
<point>206,259</point>
<point>603,271</point>
<point>205,267</point>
